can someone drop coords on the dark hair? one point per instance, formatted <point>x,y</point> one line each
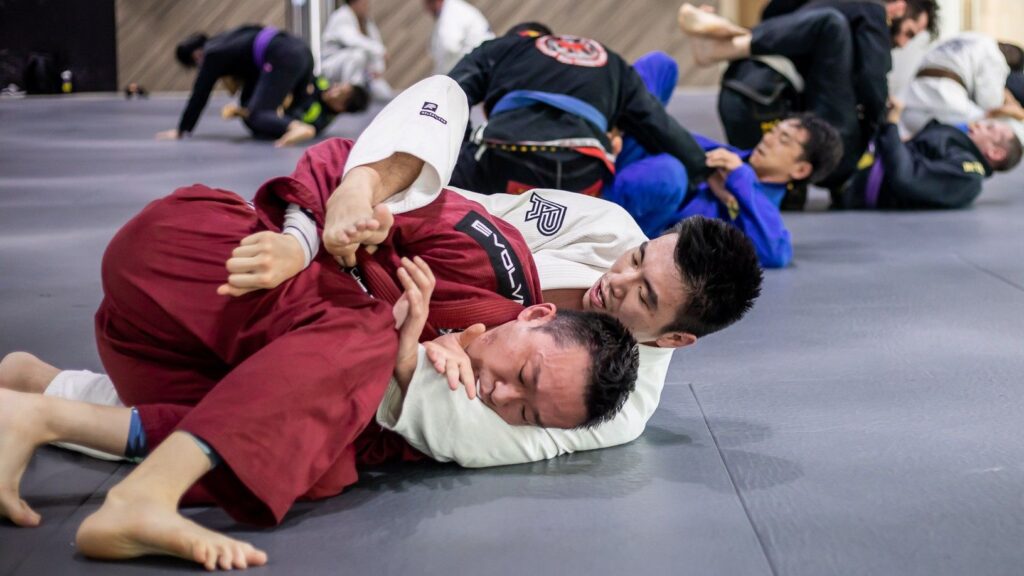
<point>357,100</point>
<point>614,359</point>
<point>720,271</point>
<point>1014,151</point>
<point>823,148</point>
<point>1014,56</point>
<point>914,10</point>
<point>183,51</point>
<point>525,29</point>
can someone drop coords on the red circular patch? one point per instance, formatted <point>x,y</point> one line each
<point>573,50</point>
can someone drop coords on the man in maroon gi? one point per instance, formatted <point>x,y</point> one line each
<point>286,380</point>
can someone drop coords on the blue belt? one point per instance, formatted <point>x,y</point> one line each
<point>523,98</point>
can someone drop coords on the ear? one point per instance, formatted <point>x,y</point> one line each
<point>675,340</point>
<point>995,154</point>
<point>801,171</point>
<point>538,313</point>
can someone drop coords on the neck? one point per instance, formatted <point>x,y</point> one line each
<point>769,177</point>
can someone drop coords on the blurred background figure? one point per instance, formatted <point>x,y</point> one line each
<point>279,98</point>
<point>353,51</point>
<point>459,28</point>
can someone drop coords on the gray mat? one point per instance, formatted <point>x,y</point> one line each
<point>863,420</point>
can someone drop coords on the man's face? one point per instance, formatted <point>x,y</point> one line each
<point>643,289</point>
<point>990,136</point>
<point>778,154</point>
<point>337,96</point>
<point>904,29</point>
<point>529,378</point>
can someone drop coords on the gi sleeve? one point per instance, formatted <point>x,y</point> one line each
<point>210,71</point>
<point>644,118</point>
<point>918,181</point>
<point>449,427</point>
<point>759,219</point>
<point>427,121</point>
<point>991,71</point>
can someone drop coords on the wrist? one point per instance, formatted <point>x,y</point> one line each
<point>297,254</point>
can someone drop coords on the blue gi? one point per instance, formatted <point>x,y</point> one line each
<point>653,187</point>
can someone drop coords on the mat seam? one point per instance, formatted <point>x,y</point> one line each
<point>81,504</point>
<point>732,481</point>
<point>995,275</point>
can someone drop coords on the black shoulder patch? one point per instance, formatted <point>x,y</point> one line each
<point>508,270</point>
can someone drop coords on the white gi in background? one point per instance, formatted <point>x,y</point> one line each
<point>347,55</point>
<point>973,57</point>
<point>459,28</point>
<point>574,239</point>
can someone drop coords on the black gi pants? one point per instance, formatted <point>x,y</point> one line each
<point>506,171</point>
<point>287,69</point>
<point>819,43</point>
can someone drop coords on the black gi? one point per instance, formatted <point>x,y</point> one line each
<point>287,69</point>
<point>531,147</point>
<point>844,74</point>
<point>939,168</point>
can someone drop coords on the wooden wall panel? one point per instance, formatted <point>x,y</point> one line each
<point>148,30</point>
<point>630,28</point>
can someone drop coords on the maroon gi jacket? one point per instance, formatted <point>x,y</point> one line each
<point>281,383</point>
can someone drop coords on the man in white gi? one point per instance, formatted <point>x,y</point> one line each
<point>353,52</point>
<point>960,80</point>
<point>460,27</point>
<point>696,279</point>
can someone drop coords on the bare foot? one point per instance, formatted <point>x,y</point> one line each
<point>697,22</point>
<point>24,372</point>
<point>132,525</point>
<point>20,435</point>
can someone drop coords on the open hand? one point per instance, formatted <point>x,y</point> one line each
<point>448,356</point>
<point>410,314</point>
<point>168,135</point>
<point>723,159</point>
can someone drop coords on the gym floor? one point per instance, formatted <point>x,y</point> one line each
<point>865,418</point>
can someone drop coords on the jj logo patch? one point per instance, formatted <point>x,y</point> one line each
<point>508,271</point>
<point>429,109</point>
<point>573,50</point>
<point>549,215</point>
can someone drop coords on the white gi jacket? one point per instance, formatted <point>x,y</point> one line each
<point>574,239</point>
<point>460,27</point>
<point>977,60</point>
<point>349,55</point>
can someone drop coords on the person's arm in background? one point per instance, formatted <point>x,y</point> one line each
<point>212,68</point>
<point>643,117</point>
